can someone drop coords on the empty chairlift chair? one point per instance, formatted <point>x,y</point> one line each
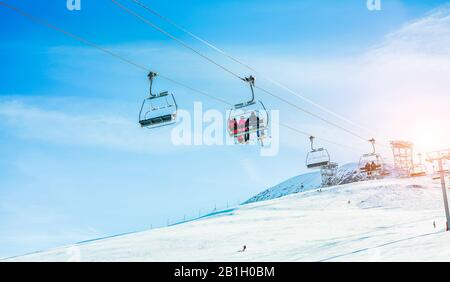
<point>419,168</point>
<point>158,109</point>
<point>317,158</point>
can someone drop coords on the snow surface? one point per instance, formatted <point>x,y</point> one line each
<point>379,220</point>
<point>305,182</point>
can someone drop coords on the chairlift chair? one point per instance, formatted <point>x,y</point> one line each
<point>419,169</point>
<point>317,158</point>
<point>370,158</point>
<point>252,113</point>
<point>158,110</point>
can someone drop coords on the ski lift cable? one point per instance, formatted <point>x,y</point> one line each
<point>311,113</point>
<point>319,138</point>
<point>102,49</point>
<point>78,38</point>
<point>246,65</point>
<point>229,56</point>
<point>146,21</point>
<point>175,38</point>
<point>141,67</point>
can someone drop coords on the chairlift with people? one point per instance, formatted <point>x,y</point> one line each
<point>317,158</point>
<point>158,109</point>
<point>372,163</point>
<point>248,118</point>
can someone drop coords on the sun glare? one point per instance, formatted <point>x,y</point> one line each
<point>429,136</point>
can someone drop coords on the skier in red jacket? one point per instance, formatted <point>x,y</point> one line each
<point>241,130</point>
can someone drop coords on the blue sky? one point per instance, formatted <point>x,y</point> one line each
<point>74,165</point>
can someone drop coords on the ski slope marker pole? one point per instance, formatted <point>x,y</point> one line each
<point>444,193</point>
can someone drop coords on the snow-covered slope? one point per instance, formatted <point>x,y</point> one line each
<point>380,220</point>
<point>305,182</point>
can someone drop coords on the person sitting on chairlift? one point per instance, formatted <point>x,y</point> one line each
<point>233,127</point>
<point>368,169</point>
<point>230,126</point>
<point>241,130</point>
<point>254,123</point>
<point>373,166</point>
<point>247,130</point>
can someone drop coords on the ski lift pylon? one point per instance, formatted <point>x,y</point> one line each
<point>158,109</point>
<point>317,158</point>
<point>329,173</point>
<point>248,118</point>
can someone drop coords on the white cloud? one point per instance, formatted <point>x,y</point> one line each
<point>415,60</point>
<point>251,170</point>
<point>408,77</point>
<point>429,35</point>
<point>104,131</point>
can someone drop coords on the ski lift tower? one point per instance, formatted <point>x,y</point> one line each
<point>329,173</point>
<point>320,158</point>
<point>440,157</point>
<point>403,157</point>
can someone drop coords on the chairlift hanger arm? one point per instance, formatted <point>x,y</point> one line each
<point>372,141</point>
<point>267,113</point>
<point>175,102</point>
<point>311,139</point>
<point>140,112</point>
<point>251,81</point>
<point>151,76</point>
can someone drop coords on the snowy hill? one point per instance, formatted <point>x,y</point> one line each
<point>380,220</point>
<point>305,182</point>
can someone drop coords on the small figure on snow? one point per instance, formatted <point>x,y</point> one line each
<point>243,249</point>
<point>434,224</point>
